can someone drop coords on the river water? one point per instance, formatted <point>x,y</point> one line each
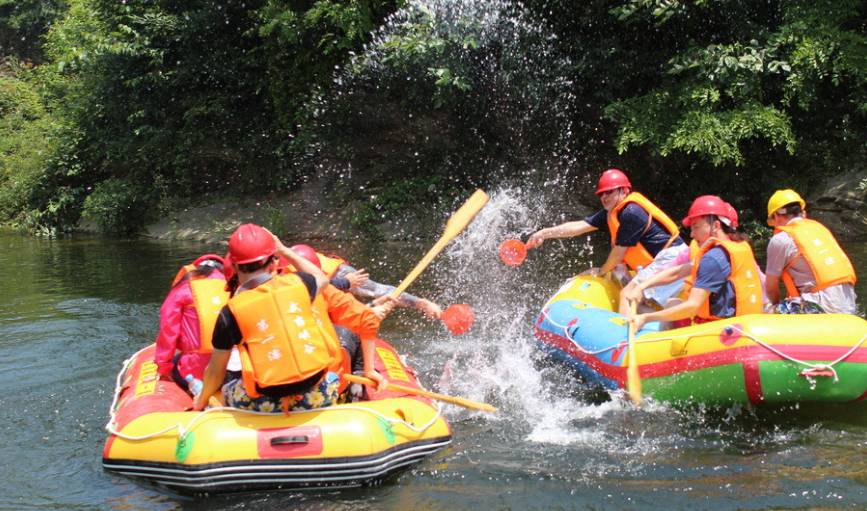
<point>74,309</point>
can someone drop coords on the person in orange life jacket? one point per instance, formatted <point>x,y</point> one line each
<point>642,236</point>
<point>723,271</point>
<point>684,257</point>
<point>354,322</point>
<point>803,253</point>
<point>347,278</point>
<point>276,372</point>
<point>345,281</point>
<point>187,318</point>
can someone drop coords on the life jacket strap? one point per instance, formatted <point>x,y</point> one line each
<point>255,282</point>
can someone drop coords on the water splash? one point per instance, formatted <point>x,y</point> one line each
<point>457,88</point>
<point>497,360</point>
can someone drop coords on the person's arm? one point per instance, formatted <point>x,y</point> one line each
<point>378,291</point>
<point>781,249</point>
<point>341,283</point>
<point>171,316</point>
<point>565,230</point>
<point>215,373</point>
<point>772,287</point>
<point>302,264</point>
<point>634,291</point>
<point>666,276</point>
<point>685,309</point>
<point>356,278</point>
<point>368,352</point>
<point>615,257</point>
<point>346,311</point>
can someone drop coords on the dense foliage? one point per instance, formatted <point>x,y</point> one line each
<point>115,109</point>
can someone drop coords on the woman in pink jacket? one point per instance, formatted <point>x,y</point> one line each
<point>187,318</point>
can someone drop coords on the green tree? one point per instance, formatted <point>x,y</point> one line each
<point>23,24</point>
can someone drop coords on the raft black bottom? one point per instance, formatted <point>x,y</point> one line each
<point>290,474</point>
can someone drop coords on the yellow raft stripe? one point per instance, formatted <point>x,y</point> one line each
<point>147,379</point>
<point>392,365</point>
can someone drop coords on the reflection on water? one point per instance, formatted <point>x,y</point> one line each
<point>74,309</point>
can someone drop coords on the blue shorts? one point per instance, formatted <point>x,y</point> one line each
<point>322,394</point>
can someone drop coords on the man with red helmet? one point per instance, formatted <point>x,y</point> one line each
<point>642,235</point>
<point>723,272</point>
<point>290,354</point>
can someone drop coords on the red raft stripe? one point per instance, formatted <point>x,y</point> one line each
<point>617,373</point>
<point>753,382</point>
<point>743,354</point>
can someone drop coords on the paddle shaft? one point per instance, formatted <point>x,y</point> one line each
<point>466,403</point>
<point>457,223</point>
<point>633,378</point>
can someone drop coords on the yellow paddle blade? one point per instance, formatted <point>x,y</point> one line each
<point>460,401</point>
<point>457,223</point>
<point>633,378</point>
<point>465,214</point>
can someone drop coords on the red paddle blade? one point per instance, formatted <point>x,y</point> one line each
<point>513,252</point>
<point>458,318</point>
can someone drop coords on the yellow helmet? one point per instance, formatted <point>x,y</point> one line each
<point>782,197</point>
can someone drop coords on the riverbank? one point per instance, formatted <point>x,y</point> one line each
<point>307,212</point>
<point>314,211</point>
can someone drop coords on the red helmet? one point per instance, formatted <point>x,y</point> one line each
<point>307,252</point>
<point>732,215</point>
<point>707,205</point>
<point>250,243</point>
<point>209,257</point>
<point>611,179</point>
<point>228,269</point>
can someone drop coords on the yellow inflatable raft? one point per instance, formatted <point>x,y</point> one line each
<point>759,358</point>
<point>153,438</point>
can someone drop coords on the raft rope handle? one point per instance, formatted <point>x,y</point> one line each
<point>709,333</point>
<point>565,329</point>
<point>183,430</point>
<point>809,366</point>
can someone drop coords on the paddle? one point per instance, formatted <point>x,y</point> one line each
<point>457,223</point>
<point>633,379</point>
<point>466,403</point>
<point>458,318</point>
<point>513,252</point>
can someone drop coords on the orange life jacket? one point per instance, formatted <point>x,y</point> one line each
<point>744,277</point>
<point>185,269</point>
<point>694,249</point>
<point>329,265</point>
<point>286,338</point>
<point>638,255</point>
<point>823,254</point>
<point>209,297</point>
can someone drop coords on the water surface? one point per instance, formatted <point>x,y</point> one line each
<point>74,309</point>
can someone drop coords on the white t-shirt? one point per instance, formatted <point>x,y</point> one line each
<point>781,250</point>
